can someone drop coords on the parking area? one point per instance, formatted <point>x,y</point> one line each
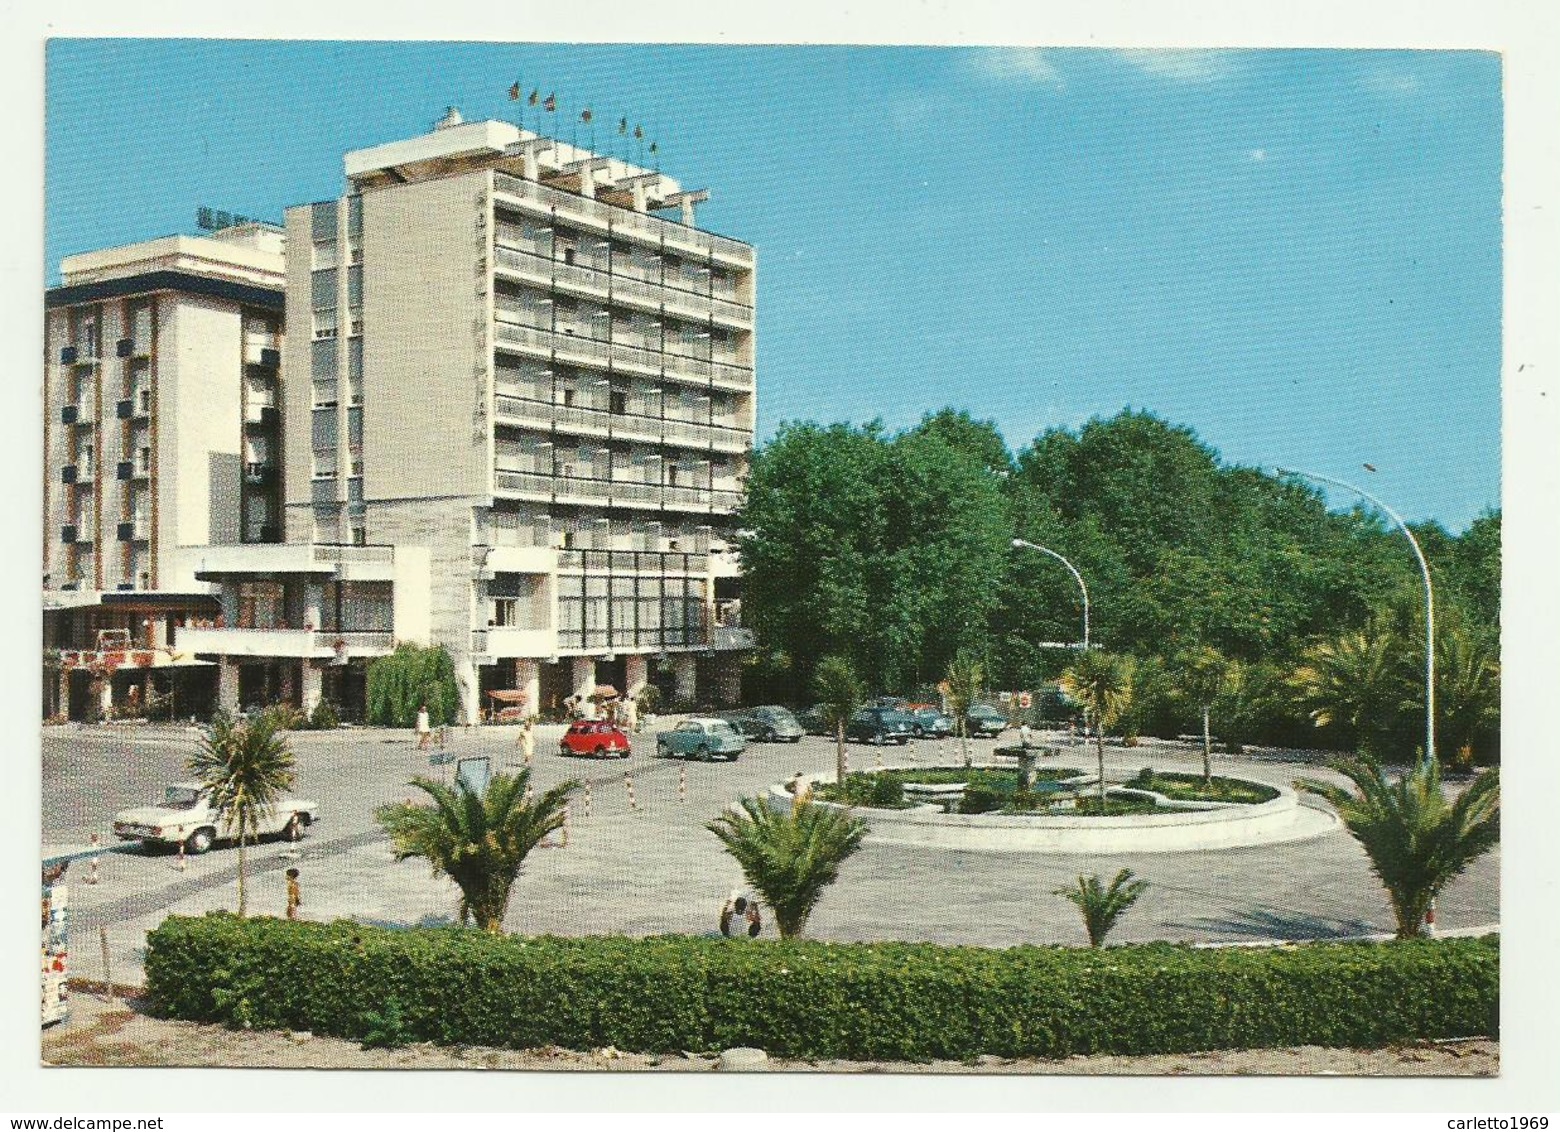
<point>654,868</point>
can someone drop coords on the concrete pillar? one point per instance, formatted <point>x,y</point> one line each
<point>585,684</point>
<point>533,171</point>
<point>313,605</point>
<point>640,203</point>
<point>687,211</point>
<point>685,671</point>
<point>636,674</point>
<point>313,686</point>
<point>289,685</point>
<point>227,685</point>
<point>470,691</point>
<point>528,679</point>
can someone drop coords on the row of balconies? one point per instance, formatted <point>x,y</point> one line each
<point>652,231</point>
<point>650,297</point>
<point>135,407</point>
<point>303,644</point>
<point>628,426</point>
<point>86,353</point>
<point>631,262</point>
<point>628,359</point>
<point>136,530</point>
<point>124,470</point>
<point>616,493</point>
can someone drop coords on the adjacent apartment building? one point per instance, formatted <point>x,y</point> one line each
<point>518,411</point>
<point>161,433</point>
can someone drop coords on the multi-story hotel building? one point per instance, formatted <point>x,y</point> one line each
<point>161,432</point>
<point>519,410</point>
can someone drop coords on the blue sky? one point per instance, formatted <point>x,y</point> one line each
<point>1296,253</point>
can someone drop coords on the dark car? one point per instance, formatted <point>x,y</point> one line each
<point>878,725</point>
<point>768,724</point>
<point>983,721</point>
<point>928,722</point>
<point>812,721</point>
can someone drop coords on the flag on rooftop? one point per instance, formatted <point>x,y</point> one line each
<point>534,98</point>
<point>585,114</point>
<point>639,132</point>
<point>514,92</point>
<point>622,125</point>
<point>550,103</point>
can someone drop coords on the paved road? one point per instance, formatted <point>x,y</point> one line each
<point>657,869</point>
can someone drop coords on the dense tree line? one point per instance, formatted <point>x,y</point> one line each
<point>894,551</point>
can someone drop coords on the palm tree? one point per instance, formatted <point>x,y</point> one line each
<point>963,682</point>
<point>839,695</point>
<point>478,840</point>
<point>1101,683</point>
<point>1467,691</point>
<point>1354,683</point>
<point>1417,841</point>
<point>247,767</point>
<point>1204,672</point>
<point>790,858</point>
<point>1101,906</point>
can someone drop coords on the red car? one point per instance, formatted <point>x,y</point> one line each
<point>595,738</point>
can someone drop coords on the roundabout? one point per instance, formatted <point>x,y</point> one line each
<point>924,815</point>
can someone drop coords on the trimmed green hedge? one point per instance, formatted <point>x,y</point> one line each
<point>817,1000</point>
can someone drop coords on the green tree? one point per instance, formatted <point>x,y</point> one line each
<point>1467,693</point>
<point>1416,839</point>
<point>789,858</point>
<point>963,680</point>
<point>1102,906</point>
<point>478,840</point>
<point>413,675</point>
<point>1203,673</point>
<point>1101,683</point>
<point>247,767</point>
<point>839,697</point>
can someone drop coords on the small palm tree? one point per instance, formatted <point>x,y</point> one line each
<point>478,840</point>
<point>790,858</point>
<point>839,695</point>
<point>1101,906</point>
<point>1354,683</point>
<point>1416,839</point>
<point>1204,672</point>
<point>247,767</point>
<point>1101,683</point>
<point>963,682</point>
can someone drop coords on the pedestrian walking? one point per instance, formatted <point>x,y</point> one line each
<point>294,894</point>
<point>528,741</point>
<point>424,728</point>
<point>739,917</point>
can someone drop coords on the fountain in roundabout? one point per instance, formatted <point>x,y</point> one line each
<point>990,807</point>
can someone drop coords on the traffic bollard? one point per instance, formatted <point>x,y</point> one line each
<point>587,801</point>
<point>92,866</point>
<point>628,781</point>
<point>179,864</point>
<point>564,843</point>
<point>682,784</point>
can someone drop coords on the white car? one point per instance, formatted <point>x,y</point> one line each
<point>186,817</point>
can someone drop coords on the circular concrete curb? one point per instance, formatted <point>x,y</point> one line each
<point>1201,826</point>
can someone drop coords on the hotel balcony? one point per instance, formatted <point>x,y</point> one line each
<point>582,421</point>
<point>265,560</point>
<point>303,644</point>
<point>646,295</point>
<point>593,215</point>
<point>512,332</point>
<point>618,493</point>
<point>499,642</point>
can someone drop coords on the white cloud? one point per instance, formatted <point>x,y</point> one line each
<point>1257,154</point>
<point>1388,82</point>
<point>1030,65</point>
<point>1180,65</point>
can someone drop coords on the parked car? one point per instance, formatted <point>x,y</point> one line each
<point>927,722</point>
<point>597,738</point>
<point>984,721</point>
<point>768,724</point>
<point>186,817</point>
<point>812,721</point>
<point>702,737</point>
<point>879,725</point>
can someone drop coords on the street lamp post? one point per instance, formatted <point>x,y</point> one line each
<point>1076,577</point>
<point>1424,570</point>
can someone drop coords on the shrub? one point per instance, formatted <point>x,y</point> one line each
<point>979,800</point>
<point>324,717</point>
<point>807,999</point>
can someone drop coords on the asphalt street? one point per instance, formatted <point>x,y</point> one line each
<point>654,868</point>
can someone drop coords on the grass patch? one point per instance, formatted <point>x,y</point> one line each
<point>1190,787</point>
